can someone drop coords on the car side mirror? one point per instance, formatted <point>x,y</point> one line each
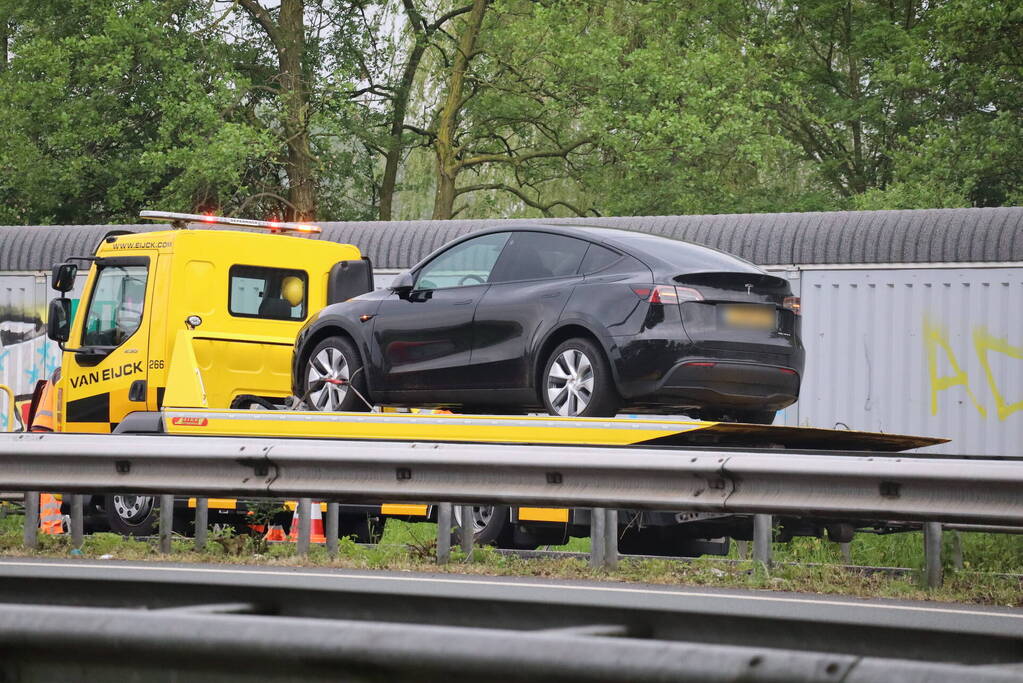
<point>403,285</point>
<point>63,277</point>
<point>58,322</point>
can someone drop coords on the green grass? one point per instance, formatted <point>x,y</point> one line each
<point>412,546</point>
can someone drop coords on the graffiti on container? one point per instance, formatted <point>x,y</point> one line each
<point>936,341</point>
<point>26,355</point>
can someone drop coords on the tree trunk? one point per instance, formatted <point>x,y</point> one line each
<point>4,43</point>
<point>444,145</point>
<point>290,50</point>
<point>392,156</point>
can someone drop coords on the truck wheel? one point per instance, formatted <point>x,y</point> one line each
<point>334,377</point>
<point>363,528</point>
<point>577,381</point>
<point>131,515</point>
<point>488,523</point>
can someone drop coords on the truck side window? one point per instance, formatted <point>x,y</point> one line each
<point>274,293</point>
<point>115,310</point>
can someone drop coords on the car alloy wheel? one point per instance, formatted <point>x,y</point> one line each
<point>570,383</point>
<point>328,379</point>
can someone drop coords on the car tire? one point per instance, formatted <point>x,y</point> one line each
<point>334,377</point>
<point>577,381</point>
<point>490,523</point>
<point>132,515</point>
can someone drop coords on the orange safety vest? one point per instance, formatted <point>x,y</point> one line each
<point>43,419</point>
<point>50,520</point>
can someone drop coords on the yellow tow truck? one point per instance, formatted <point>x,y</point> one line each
<point>191,331</point>
<point>187,318</point>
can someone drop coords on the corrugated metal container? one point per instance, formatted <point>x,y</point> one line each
<point>928,351</point>
<point>932,347</point>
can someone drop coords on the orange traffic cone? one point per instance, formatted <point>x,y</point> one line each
<point>50,520</point>
<point>276,533</point>
<point>316,534</point>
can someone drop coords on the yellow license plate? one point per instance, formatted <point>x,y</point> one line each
<point>750,317</point>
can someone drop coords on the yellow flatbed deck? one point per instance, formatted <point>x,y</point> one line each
<point>526,429</point>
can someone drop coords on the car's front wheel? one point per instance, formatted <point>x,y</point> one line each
<point>334,377</point>
<point>577,381</point>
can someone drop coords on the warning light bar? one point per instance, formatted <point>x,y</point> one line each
<point>181,221</point>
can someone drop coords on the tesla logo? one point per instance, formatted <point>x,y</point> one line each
<point>189,421</point>
<point>749,289</point>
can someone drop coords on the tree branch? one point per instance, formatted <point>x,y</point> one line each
<point>262,17</point>
<point>515,161</point>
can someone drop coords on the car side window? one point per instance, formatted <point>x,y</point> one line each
<point>468,263</point>
<point>598,258</point>
<point>536,255</point>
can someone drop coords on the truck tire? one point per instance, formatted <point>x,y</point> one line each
<point>362,528</point>
<point>489,523</point>
<point>335,381</point>
<point>577,381</point>
<point>132,515</point>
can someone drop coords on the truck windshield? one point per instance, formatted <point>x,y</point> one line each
<point>115,310</point>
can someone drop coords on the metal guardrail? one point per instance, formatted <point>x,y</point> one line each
<point>767,482</point>
<point>112,620</point>
<point>771,481</point>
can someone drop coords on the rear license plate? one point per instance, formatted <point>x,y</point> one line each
<point>750,317</point>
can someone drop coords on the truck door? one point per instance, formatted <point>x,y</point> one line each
<point>107,370</point>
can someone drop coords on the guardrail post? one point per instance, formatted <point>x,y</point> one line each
<point>846,550</point>
<point>305,511</point>
<point>611,539</point>
<point>31,535</point>
<point>598,538</point>
<point>762,536</point>
<point>77,521</point>
<point>332,527</point>
<point>932,554</point>
<point>443,533</point>
<point>957,551</point>
<point>166,522</point>
<point>202,522</point>
<point>467,531</point>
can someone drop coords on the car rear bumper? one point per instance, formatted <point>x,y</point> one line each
<point>736,376</point>
<point>729,384</point>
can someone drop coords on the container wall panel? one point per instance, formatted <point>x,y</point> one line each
<point>26,355</point>
<point>935,352</point>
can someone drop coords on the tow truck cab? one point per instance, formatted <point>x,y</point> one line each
<point>211,313</point>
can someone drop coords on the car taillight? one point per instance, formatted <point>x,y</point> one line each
<point>792,303</point>
<point>667,294</point>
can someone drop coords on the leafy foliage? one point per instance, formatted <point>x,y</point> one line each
<point>563,107</point>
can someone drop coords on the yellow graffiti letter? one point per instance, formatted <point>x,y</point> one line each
<point>984,342</point>
<point>934,337</point>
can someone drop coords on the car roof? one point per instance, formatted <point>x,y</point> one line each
<point>657,252</point>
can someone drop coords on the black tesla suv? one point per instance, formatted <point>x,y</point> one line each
<point>577,321</point>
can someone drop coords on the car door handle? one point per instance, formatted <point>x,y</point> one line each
<point>463,302</point>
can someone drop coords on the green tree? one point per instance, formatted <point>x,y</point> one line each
<point>112,107</point>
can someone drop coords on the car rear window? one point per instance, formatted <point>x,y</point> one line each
<point>598,258</point>
<point>535,255</point>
